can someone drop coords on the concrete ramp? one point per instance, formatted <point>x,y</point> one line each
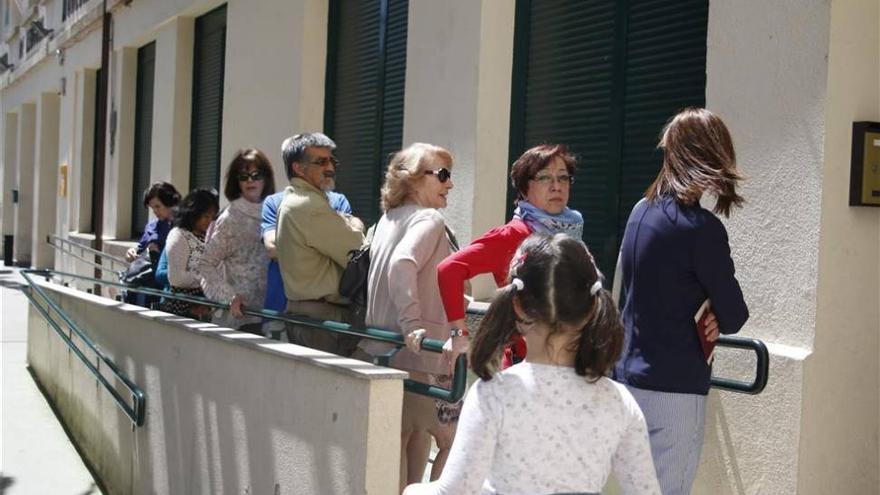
<point>226,412</point>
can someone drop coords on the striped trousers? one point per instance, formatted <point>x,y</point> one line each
<point>675,426</point>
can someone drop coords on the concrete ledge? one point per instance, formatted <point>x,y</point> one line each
<point>226,412</point>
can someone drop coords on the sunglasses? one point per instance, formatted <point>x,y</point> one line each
<point>442,174</point>
<point>254,176</point>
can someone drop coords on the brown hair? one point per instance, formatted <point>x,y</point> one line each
<point>408,165</point>
<point>165,192</point>
<point>535,159</point>
<point>698,156</point>
<point>557,274</point>
<point>239,164</point>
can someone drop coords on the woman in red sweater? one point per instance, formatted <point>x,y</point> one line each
<point>542,177</point>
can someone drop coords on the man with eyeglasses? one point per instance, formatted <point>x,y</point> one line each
<point>313,240</point>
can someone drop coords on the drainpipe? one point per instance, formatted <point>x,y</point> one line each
<point>101,152</point>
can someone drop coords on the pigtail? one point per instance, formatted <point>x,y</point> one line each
<point>494,332</point>
<point>601,340</point>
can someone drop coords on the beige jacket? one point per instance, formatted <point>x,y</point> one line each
<point>402,293</point>
<point>313,242</point>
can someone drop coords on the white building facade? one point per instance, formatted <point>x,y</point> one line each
<point>190,82</point>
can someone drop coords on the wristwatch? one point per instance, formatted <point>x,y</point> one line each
<point>459,332</point>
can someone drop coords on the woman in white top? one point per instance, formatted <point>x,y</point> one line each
<point>235,262</point>
<point>553,423</point>
<point>409,242</point>
<point>184,248</point>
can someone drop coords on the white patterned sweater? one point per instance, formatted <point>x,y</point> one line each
<point>540,429</point>
<point>235,261</point>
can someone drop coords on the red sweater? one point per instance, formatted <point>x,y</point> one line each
<point>490,253</point>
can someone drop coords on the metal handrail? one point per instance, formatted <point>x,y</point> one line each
<point>459,377</point>
<point>67,242</point>
<point>135,412</point>
<point>761,369</point>
<point>762,366</point>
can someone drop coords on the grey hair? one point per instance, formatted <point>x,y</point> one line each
<point>294,147</point>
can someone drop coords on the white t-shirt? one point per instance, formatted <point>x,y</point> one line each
<point>541,429</point>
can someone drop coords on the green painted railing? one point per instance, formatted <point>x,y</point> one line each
<point>762,364</point>
<point>459,376</point>
<point>66,246</point>
<point>136,409</point>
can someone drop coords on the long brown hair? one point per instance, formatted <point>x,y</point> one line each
<point>698,156</point>
<point>557,273</point>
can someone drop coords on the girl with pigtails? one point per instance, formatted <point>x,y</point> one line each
<point>553,423</point>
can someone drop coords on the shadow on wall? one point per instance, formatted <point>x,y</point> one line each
<point>212,442</point>
<point>719,454</point>
<point>5,482</point>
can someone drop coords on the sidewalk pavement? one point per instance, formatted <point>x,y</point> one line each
<point>36,456</point>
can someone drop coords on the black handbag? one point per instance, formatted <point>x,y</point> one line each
<point>140,273</point>
<point>353,283</point>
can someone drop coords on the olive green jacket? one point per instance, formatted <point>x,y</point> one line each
<point>313,241</point>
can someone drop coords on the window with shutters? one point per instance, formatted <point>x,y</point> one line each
<point>207,101</point>
<point>603,77</point>
<point>96,142</point>
<point>143,136</point>
<point>366,68</point>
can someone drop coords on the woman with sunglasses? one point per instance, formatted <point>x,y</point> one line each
<point>235,262</point>
<point>409,242</point>
<point>542,177</point>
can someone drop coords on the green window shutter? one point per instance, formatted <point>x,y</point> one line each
<point>96,142</point>
<point>364,94</point>
<point>209,58</point>
<point>143,135</point>
<point>603,77</point>
<point>665,72</point>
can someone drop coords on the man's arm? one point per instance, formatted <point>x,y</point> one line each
<point>333,235</point>
<point>269,243</point>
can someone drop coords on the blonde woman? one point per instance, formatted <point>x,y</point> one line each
<point>410,240</point>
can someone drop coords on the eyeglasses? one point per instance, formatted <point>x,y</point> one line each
<point>546,180</point>
<point>254,176</point>
<point>324,161</point>
<point>443,174</point>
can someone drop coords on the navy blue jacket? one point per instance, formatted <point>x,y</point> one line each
<point>155,231</point>
<point>673,258</point>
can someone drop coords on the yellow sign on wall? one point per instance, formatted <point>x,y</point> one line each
<point>62,184</point>
<point>864,177</point>
<point>871,169</point>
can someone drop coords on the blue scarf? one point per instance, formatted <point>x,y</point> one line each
<point>568,222</point>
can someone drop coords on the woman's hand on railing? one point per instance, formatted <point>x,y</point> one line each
<point>131,254</point>
<point>456,345</point>
<point>414,340</point>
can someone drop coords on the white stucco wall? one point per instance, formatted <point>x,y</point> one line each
<point>458,79</point>
<point>45,192</point>
<point>172,104</point>
<point>24,209</point>
<point>766,76</point>
<point>276,52</point>
<point>226,412</point>
<point>790,100</point>
<point>839,440</point>
<point>10,147</point>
